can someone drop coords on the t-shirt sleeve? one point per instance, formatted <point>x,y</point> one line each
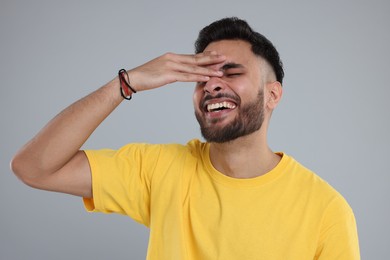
<point>121,180</point>
<point>338,237</point>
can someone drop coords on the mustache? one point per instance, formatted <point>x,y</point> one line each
<point>219,95</point>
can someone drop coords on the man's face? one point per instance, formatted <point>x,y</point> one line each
<point>231,106</point>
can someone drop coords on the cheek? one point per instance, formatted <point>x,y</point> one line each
<point>245,89</point>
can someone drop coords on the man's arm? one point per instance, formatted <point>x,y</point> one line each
<point>52,160</point>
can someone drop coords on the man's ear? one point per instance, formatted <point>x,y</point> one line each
<point>274,92</point>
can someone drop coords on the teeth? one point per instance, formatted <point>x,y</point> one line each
<point>224,104</point>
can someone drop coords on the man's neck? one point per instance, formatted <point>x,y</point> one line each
<point>245,157</point>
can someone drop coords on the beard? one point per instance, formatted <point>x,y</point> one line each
<point>249,119</point>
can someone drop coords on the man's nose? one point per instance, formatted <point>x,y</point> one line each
<point>214,85</point>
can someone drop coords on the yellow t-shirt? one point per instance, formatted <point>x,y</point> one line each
<point>195,212</point>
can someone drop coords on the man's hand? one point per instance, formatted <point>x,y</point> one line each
<point>170,68</point>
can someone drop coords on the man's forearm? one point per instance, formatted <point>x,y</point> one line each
<point>63,136</point>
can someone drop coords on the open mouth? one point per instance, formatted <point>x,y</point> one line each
<point>219,106</point>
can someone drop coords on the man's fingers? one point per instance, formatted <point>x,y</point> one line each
<point>188,77</point>
<point>195,69</point>
<point>207,58</point>
<point>201,59</point>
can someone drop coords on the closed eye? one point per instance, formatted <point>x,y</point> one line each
<point>232,69</point>
<point>233,74</point>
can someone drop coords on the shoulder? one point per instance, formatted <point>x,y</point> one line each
<point>162,153</point>
<point>143,149</point>
<point>311,184</point>
<point>143,154</point>
<point>318,193</point>
<point>306,176</point>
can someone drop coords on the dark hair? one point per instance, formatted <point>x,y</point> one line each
<point>235,28</point>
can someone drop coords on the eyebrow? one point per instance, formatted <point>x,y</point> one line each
<point>231,65</point>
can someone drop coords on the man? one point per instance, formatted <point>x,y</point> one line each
<point>228,198</point>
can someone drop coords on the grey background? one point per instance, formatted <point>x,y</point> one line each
<point>333,117</point>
